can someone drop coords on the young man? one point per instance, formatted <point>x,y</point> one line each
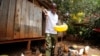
<point>51,21</point>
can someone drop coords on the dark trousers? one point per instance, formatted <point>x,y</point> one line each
<point>51,40</point>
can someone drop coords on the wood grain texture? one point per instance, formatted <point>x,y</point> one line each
<point>17,19</point>
<point>23,19</point>
<point>10,21</point>
<point>3,18</point>
<point>31,19</point>
<point>38,20</point>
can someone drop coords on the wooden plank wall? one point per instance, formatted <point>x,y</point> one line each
<point>30,20</point>
<point>23,19</point>
<point>10,21</point>
<point>19,19</point>
<point>38,19</point>
<point>6,19</point>
<point>35,20</point>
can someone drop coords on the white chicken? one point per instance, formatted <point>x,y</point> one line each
<point>84,50</point>
<point>22,54</point>
<point>80,51</point>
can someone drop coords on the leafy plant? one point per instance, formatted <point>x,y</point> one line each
<point>85,8</point>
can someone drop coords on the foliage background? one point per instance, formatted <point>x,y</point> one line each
<point>90,10</point>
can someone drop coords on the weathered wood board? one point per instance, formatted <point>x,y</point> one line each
<point>20,19</point>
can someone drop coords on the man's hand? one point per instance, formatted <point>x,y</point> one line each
<point>45,12</point>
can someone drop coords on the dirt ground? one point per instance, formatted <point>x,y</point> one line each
<point>17,48</point>
<point>93,51</point>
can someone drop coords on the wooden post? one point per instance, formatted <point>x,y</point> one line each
<point>29,45</point>
<point>28,52</point>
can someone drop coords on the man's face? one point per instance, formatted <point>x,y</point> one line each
<point>54,9</point>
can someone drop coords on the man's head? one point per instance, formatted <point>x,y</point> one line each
<point>53,8</point>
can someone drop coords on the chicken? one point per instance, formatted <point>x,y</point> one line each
<point>22,54</point>
<point>80,51</point>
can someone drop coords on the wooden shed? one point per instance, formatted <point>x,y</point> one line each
<point>21,20</point>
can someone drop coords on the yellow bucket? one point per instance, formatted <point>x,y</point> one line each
<point>61,28</point>
<point>94,55</point>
